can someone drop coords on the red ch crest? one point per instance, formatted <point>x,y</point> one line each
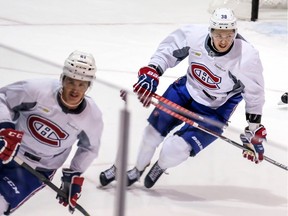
<point>204,76</point>
<point>45,131</point>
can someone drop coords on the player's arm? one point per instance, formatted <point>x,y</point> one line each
<point>170,52</point>
<point>87,150</point>
<point>89,140</point>
<point>10,139</point>
<point>16,97</point>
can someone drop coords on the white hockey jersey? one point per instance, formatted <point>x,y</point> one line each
<point>50,131</point>
<point>212,78</point>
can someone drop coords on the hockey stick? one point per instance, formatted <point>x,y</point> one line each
<point>187,113</point>
<point>43,179</point>
<point>196,125</point>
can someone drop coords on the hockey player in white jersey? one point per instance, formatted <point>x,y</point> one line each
<point>40,121</point>
<point>223,69</point>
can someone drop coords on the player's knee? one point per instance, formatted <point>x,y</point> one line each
<point>175,151</point>
<point>151,137</point>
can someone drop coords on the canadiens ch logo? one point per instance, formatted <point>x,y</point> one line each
<point>45,131</point>
<point>204,76</point>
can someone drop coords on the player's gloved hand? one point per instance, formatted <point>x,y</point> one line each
<point>10,141</point>
<point>253,140</point>
<point>72,186</point>
<point>148,79</point>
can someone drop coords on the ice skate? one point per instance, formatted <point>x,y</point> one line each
<point>133,175</point>
<point>153,175</point>
<point>107,176</point>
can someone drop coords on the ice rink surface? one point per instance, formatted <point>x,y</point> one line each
<point>35,38</point>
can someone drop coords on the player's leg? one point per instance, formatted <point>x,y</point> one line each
<point>189,141</point>
<point>14,187</point>
<point>175,150</point>
<point>151,139</point>
<point>160,124</point>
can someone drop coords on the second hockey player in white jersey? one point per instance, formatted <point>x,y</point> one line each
<point>223,69</point>
<point>52,116</point>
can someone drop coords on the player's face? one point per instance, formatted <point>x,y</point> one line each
<point>222,39</point>
<point>73,91</point>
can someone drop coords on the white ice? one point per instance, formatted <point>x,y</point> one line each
<point>35,38</point>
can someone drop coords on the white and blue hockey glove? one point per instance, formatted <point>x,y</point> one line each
<point>72,186</point>
<point>253,140</point>
<point>10,141</point>
<point>148,79</point>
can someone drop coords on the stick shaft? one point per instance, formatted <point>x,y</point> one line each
<point>187,113</point>
<point>48,183</point>
<point>175,114</point>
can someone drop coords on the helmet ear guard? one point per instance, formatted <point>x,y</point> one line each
<point>79,66</point>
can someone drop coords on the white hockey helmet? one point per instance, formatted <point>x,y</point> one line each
<point>79,65</point>
<point>223,18</point>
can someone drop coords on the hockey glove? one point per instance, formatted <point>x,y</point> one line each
<point>148,79</point>
<point>253,140</point>
<point>10,140</point>
<point>72,186</point>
